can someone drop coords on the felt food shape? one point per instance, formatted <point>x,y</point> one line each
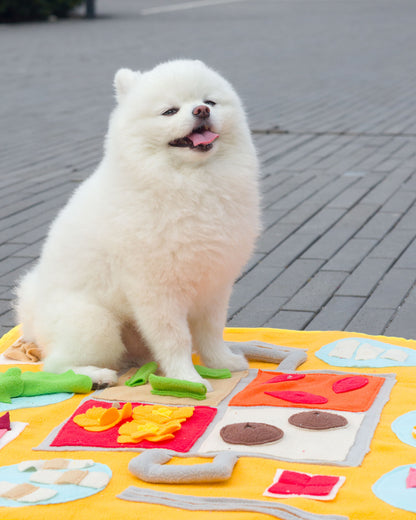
<point>292,483</point>
<point>141,377</point>
<point>213,373</point>
<point>162,414</point>
<point>23,351</point>
<point>154,423</point>
<point>317,420</point>
<point>250,433</point>
<point>26,493</point>
<point>299,397</point>
<point>285,377</point>
<point>177,387</point>
<point>98,419</point>
<point>14,383</point>
<point>314,390</point>
<point>348,384</point>
<point>147,430</point>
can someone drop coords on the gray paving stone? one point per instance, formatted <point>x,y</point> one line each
<point>363,280</point>
<point>393,244</point>
<point>379,225</point>
<point>251,284</point>
<point>339,234</point>
<point>350,255</point>
<point>336,314</point>
<point>292,320</point>
<point>392,289</point>
<point>370,321</point>
<point>316,292</point>
<point>403,323</point>
<point>408,259</point>
<point>293,278</point>
<point>257,312</point>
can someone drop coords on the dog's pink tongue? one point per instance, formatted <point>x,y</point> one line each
<point>206,137</point>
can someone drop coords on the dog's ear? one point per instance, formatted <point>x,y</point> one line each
<point>124,81</point>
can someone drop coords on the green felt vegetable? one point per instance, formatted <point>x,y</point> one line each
<point>141,377</point>
<point>14,383</point>
<point>213,373</point>
<point>177,387</point>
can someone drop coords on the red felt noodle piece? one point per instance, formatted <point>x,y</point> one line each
<point>294,477</point>
<point>299,397</point>
<point>320,485</point>
<point>348,384</point>
<point>317,491</point>
<point>284,377</point>
<point>282,488</point>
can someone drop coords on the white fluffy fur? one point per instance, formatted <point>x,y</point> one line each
<point>154,238</point>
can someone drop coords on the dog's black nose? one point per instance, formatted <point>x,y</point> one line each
<point>201,111</point>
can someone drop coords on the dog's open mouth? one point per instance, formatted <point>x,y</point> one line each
<point>200,138</point>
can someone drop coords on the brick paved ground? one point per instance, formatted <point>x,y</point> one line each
<point>329,86</point>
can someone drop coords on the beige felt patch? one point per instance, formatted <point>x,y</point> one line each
<point>19,491</point>
<point>73,476</point>
<point>23,351</point>
<point>221,389</point>
<point>56,464</point>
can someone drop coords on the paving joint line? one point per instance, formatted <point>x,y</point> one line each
<point>280,131</point>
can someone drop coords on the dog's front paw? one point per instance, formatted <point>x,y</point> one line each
<point>101,377</point>
<point>226,359</point>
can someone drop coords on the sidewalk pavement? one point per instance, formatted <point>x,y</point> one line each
<point>329,87</point>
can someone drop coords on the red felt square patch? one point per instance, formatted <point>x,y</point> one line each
<point>73,435</point>
<point>295,483</point>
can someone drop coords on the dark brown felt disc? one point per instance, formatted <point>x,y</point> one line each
<point>250,433</point>
<point>317,420</point>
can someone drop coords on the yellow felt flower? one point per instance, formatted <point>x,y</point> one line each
<point>97,418</point>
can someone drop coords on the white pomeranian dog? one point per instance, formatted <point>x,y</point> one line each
<point>152,242</point>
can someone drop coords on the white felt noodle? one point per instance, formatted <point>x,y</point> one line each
<point>95,479</point>
<point>79,464</point>
<point>395,354</point>
<point>367,351</point>
<point>40,495</point>
<point>5,487</point>
<point>344,348</point>
<point>30,465</point>
<point>45,476</point>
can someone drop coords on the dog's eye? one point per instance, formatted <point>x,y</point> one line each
<point>210,102</point>
<point>170,112</point>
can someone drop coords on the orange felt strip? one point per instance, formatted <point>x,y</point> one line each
<point>357,400</point>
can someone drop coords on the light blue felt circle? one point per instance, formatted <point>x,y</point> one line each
<point>377,362</point>
<point>403,427</point>
<point>32,402</point>
<point>65,492</point>
<point>391,488</point>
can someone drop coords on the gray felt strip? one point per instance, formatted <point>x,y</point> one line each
<point>287,357</point>
<point>149,466</point>
<point>198,503</point>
